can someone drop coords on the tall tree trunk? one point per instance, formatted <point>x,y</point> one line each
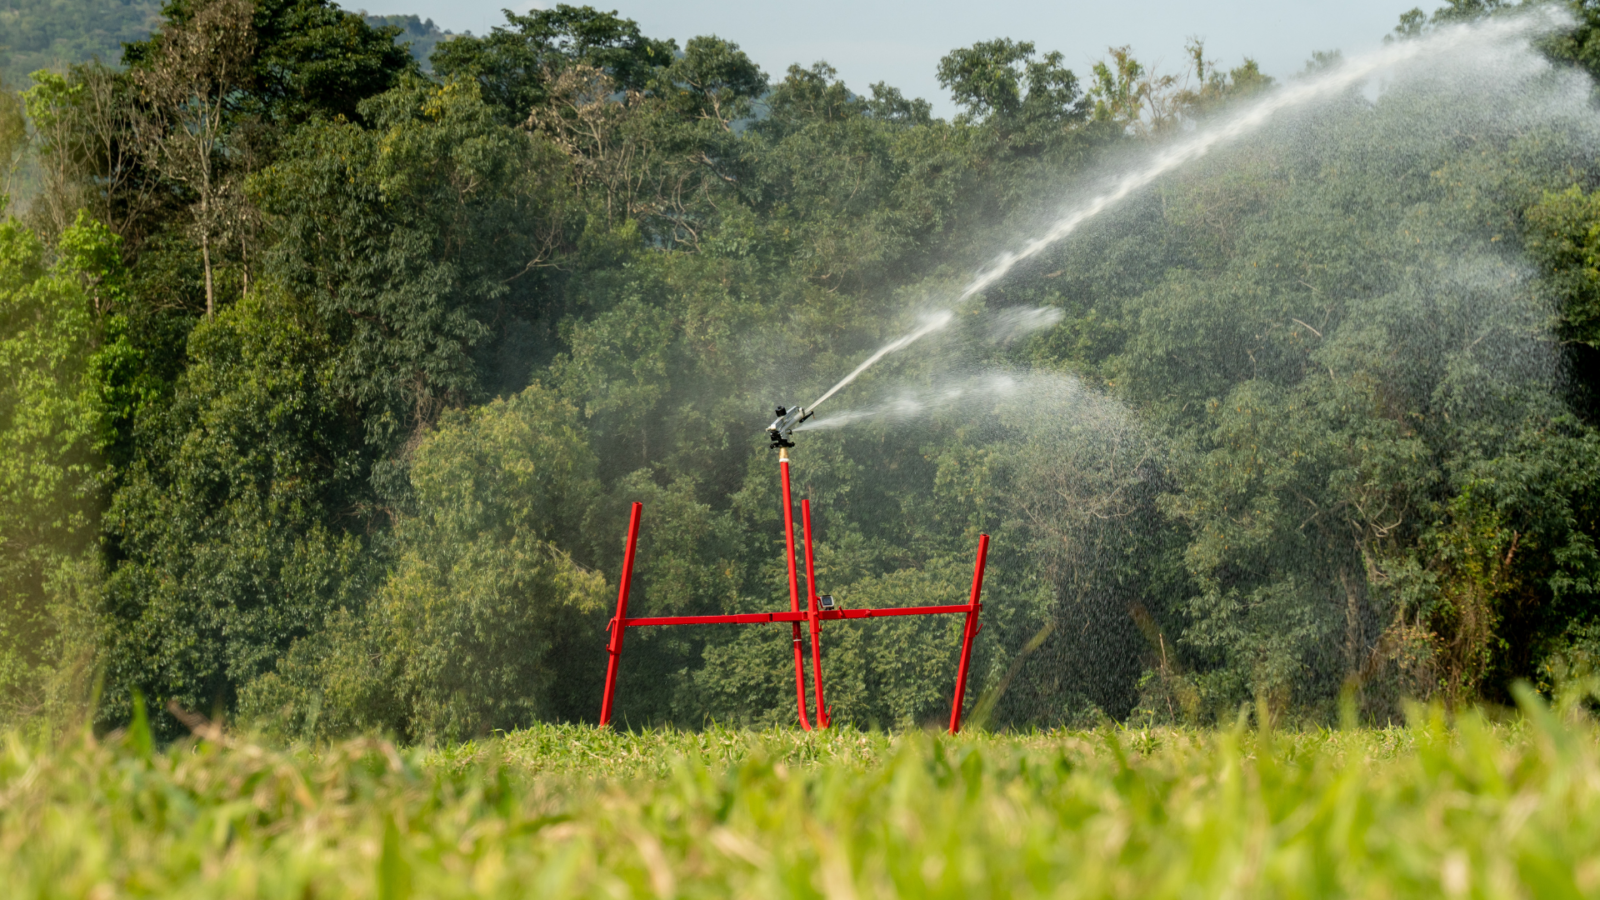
<point>205,253</point>
<point>1354,632</point>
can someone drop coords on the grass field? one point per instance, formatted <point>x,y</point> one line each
<point>1460,807</point>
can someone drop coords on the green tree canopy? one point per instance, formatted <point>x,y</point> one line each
<point>516,62</point>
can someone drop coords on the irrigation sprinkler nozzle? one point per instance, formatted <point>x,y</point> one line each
<point>782,428</point>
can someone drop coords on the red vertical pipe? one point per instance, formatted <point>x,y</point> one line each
<point>794,587</point>
<point>967,633</point>
<point>823,720</point>
<point>614,647</point>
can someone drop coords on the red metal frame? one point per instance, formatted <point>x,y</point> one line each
<point>619,624</point>
<point>812,615</point>
<point>969,632</point>
<point>794,586</point>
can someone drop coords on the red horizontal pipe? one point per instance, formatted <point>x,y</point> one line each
<point>892,611</point>
<point>762,618</point>
<point>737,619</point>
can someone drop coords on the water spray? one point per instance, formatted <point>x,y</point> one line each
<point>1252,116</point>
<point>1206,138</point>
<point>934,323</point>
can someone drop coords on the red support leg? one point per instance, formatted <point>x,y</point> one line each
<point>968,633</point>
<point>614,646</point>
<point>823,719</point>
<point>794,588</point>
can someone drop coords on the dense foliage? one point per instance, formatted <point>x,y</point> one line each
<point>328,381</point>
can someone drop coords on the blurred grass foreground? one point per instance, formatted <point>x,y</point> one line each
<point>1447,806</point>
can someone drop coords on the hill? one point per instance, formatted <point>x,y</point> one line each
<point>44,34</point>
<point>421,35</point>
<point>51,34</point>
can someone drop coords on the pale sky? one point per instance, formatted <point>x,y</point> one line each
<point>901,42</point>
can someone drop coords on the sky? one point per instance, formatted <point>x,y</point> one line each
<point>901,42</point>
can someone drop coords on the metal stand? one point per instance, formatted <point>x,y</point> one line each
<point>794,586</point>
<point>813,615</point>
<point>617,627</point>
<point>968,632</point>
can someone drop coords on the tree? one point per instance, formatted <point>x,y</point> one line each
<point>13,140</point>
<point>189,82</point>
<point>235,529</point>
<point>104,137</point>
<point>55,418</point>
<point>476,628</point>
<point>1127,95</point>
<point>1000,79</point>
<point>1564,237</point>
<point>1211,89</point>
<point>515,64</point>
<point>713,79</point>
<point>311,59</point>
<point>1360,406</point>
<point>413,239</point>
<point>88,127</point>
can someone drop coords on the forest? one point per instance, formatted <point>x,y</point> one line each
<point>328,376</point>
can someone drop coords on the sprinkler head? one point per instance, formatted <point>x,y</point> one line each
<point>782,428</point>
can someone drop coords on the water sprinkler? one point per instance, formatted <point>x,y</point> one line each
<point>782,428</point>
<point>809,611</point>
<point>817,608</point>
